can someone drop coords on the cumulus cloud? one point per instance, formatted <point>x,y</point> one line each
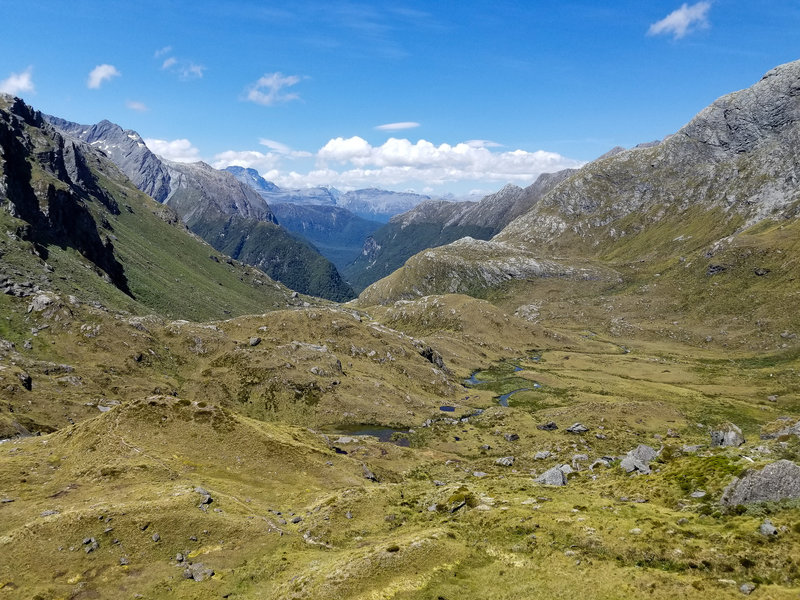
<point>271,89</point>
<point>137,106</point>
<point>18,83</point>
<point>100,74</point>
<point>180,150</point>
<point>397,126</point>
<point>353,162</point>
<point>682,21</point>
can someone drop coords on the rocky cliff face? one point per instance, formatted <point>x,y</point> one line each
<point>55,205</point>
<point>212,203</point>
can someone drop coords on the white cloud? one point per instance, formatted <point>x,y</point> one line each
<point>682,21</point>
<point>100,74</point>
<point>397,126</point>
<point>270,89</point>
<point>137,106</point>
<point>162,51</point>
<point>249,159</point>
<point>184,69</point>
<point>353,162</point>
<point>282,148</point>
<point>18,83</point>
<point>169,62</point>
<point>180,150</point>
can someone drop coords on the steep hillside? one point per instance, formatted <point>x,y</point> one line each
<point>436,223</point>
<point>206,198</point>
<point>337,233</point>
<point>76,225</point>
<point>704,220</point>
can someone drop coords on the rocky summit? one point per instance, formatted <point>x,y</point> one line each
<point>596,393</point>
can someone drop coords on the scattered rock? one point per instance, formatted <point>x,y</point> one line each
<point>542,454</point>
<point>671,433</point>
<point>577,428</point>
<point>124,560</point>
<point>255,341</point>
<point>727,434</point>
<point>25,380</point>
<point>197,572</point>
<point>639,459</point>
<point>747,588</point>
<point>767,528</point>
<point>698,494</point>
<point>577,459</point>
<point>506,461</point>
<point>511,437</point>
<point>297,520</point>
<point>554,476</point>
<point>479,474</point>
<point>777,481</point>
<point>348,515</point>
<point>549,426</point>
<point>368,474</point>
<point>156,537</point>
<point>772,398</point>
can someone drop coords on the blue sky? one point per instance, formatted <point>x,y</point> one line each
<point>432,96</point>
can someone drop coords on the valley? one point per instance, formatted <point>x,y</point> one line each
<point>603,393</point>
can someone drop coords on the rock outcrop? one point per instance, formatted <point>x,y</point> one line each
<point>777,481</point>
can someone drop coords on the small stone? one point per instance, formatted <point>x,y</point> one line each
<point>541,455</point>
<point>479,474</point>
<point>124,560</point>
<point>506,461</point>
<point>156,537</point>
<point>368,474</point>
<point>511,437</point>
<point>636,531</point>
<point>348,515</point>
<point>255,341</point>
<point>767,528</point>
<point>197,572</point>
<point>698,494</point>
<point>432,507</point>
<point>600,436</point>
<point>179,557</point>
<point>297,520</point>
<point>772,398</point>
<point>549,426</point>
<point>747,588</point>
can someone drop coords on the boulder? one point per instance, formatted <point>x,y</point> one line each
<point>197,572</point>
<point>639,459</point>
<point>727,434</point>
<point>549,426</point>
<point>554,476</point>
<point>577,428</point>
<point>777,481</point>
<point>541,455</point>
<point>511,437</point>
<point>506,461</point>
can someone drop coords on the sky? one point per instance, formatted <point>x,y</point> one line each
<point>448,97</point>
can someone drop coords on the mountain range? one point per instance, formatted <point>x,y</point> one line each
<point>601,398</point>
<point>228,214</point>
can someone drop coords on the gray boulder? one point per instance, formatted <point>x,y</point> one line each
<point>542,454</point>
<point>577,428</point>
<point>554,476</point>
<point>197,572</point>
<point>506,461</point>
<point>727,434</point>
<point>777,481</point>
<point>639,459</point>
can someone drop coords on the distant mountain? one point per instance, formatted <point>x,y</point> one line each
<point>210,202</point>
<point>336,232</point>
<point>708,217</point>
<point>371,204</point>
<point>437,222</point>
<point>76,226</point>
<point>379,205</point>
